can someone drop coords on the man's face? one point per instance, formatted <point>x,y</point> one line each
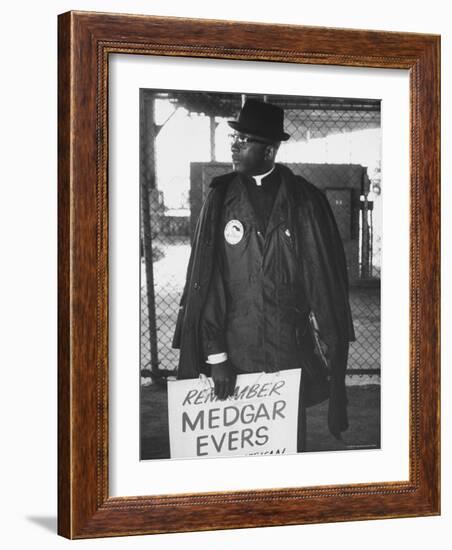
<point>251,155</point>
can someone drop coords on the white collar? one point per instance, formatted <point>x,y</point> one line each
<point>258,179</point>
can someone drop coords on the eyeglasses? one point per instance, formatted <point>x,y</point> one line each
<point>242,141</point>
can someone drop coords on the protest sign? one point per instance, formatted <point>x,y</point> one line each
<point>261,417</point>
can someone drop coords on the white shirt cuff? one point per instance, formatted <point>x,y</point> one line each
<point>216,358</point>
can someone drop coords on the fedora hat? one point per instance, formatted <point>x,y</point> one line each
<point>261,119</point>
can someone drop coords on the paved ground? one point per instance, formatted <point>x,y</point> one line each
<point>363,410</point>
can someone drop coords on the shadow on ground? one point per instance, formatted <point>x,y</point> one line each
<point>49,523</point>
<point>363,432</point>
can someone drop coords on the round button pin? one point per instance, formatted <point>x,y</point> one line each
<point>233,232</point>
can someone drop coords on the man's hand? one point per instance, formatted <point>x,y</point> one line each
<point>224,379</point>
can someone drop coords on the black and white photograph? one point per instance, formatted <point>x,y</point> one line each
<point>260,264</point>
<point>224,232</point>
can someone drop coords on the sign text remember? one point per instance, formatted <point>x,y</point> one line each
<point>260,418</point>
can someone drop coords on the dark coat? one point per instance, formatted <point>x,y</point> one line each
<point>322,262</point>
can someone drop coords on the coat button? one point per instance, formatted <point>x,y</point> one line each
<point>196,286</point>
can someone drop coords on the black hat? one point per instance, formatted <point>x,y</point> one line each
<point>261,119</point>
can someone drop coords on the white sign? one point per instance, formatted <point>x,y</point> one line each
<point>261,417</point>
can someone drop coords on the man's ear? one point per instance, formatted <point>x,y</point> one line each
<point>270,152</point>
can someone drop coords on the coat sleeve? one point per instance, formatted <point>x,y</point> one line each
<point>187,335</point>
<point>213,316</point>
<point>325,274</point>
<point>337,407</point>
<point>326,268</point>
<point>337,247</point>
<point>194,256</point>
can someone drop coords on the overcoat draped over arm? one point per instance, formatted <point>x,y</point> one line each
<point>322,261</point>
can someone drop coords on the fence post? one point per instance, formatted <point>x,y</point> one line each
<point>213,126</point>
<point>365,239</point>
<point>147,184</point>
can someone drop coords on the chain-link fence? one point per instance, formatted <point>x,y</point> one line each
<point>335,144</point>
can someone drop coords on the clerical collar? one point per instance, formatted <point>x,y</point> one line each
<point>258,179</point>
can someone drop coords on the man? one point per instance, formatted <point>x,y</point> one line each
<point>267,286</point>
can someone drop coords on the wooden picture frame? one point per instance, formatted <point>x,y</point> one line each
<point>86,40</point>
